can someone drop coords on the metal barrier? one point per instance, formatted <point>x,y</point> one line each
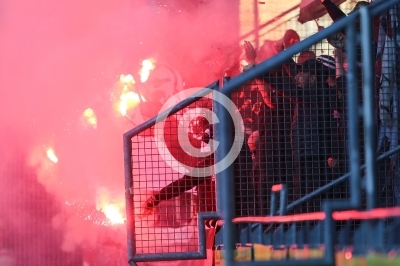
<point>355,201</point>
<point>243,188</point>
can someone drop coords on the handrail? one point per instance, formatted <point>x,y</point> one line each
<point>339,180</point>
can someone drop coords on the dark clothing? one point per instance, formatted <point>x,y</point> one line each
<point>274,151</point>
<point>314,136</point>
<point>329,123</point>
<point>305,131</point>
<point>244,195</point>
<point>334,12</point>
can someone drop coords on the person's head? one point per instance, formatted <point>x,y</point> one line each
<point>199,129</point>
<point>307,73</point>
<point>304,56</point>
<point>290,38</point>
<point>328,69</point>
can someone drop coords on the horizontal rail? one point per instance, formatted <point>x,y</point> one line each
<point>380,213</point>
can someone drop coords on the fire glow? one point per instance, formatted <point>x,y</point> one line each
<point>110,206</point>
<point>128,99</point>
<point>90,117</point>
<point>147,66</point>
<point>113,214</point>
<point>51,155</point>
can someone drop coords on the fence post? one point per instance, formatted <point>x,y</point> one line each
<point>223,133</point>
<point>369,107</point>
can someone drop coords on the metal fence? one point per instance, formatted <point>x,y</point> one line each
<point>294,133</point>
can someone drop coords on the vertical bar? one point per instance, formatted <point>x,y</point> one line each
<point>369,107</point>
<point>130,219</point>
<point>225,179</point>
<point>218,131</point>
<point>283,200</point>
<point>353,115</point>
<point>329,233</point>
<point>273,204</point>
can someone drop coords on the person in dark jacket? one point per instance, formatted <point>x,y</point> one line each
<point>270,140</point>
<point>310,150</point>
<point>205,186</point>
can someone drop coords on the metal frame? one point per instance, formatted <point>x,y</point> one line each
<point>130,216</point>
<point>328,207</point>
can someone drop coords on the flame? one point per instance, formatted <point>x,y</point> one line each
<point>127,79</point>
<point>111,207</point>
<point>128,99</point>
<point>147,66</point>
<point>51,155</point>
<point>113,215</point>
<point>90,117</point>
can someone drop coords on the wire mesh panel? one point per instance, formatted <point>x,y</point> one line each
<point>173,181</point>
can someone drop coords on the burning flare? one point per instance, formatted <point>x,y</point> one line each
<point>51,155</point>
<point>127,80</point>
<point>112,208</point>
<point>90,117</point>
<point>128,99</point>
<point>113,215</point>
<point>147,66</point>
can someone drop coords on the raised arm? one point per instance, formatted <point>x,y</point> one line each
<point>334,12</point>
<point>174,189</point>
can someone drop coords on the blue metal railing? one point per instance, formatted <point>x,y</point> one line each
<point>328,207</point>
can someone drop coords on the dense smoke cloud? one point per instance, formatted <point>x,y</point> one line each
<point>58,58</point>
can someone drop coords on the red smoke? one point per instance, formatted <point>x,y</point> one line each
<point>58,58</point>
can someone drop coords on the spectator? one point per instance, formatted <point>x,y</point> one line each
<point>309,147</point>
<point>271,135</point>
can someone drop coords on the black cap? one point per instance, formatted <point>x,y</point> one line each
<point>328,64</point>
